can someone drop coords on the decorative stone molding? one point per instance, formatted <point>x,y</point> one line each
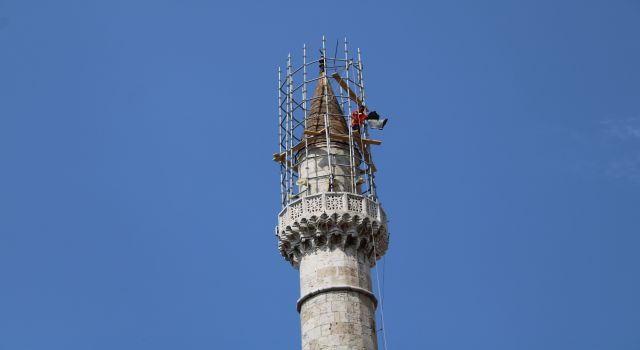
<point>362,291</point>
<point>331,220</point>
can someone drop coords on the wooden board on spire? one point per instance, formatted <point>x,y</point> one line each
<point>342,137</point>
<point>344,85</point>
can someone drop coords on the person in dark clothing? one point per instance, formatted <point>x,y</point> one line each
<point>374,121</point>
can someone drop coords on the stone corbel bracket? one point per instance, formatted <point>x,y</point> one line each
<point>332,220</point>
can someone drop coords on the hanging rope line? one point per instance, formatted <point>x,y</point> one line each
<point>384,329</point>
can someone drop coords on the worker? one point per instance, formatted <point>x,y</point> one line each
<point>357,118</point>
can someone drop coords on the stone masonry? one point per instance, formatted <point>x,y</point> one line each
<point>340,319</point>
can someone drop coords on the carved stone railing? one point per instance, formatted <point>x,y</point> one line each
<point>330,220</point>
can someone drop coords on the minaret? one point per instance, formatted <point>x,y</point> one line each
<point>330,228</point>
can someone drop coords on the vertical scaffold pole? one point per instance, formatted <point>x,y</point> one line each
<point>282,169</point>
<point>359,160</point>
<point>352,162</point>
<point>370,175</point>
<point>290,126</point>
<point>326,116</point>
<point>304,108</point>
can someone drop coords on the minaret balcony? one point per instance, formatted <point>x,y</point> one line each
<point>330,220</point>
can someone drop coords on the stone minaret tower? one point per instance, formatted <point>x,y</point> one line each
<point>333,229</point>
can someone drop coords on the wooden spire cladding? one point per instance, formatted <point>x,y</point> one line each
<point>319,107</point>
<point>325,103</point>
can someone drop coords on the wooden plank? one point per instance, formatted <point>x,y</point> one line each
<point>357,139</point>
<point>343,137</point>
<point>278,157</point>
<point>344,85</point>
<point>281,160</point>
<point>314,133</point>
<point>372,142</point>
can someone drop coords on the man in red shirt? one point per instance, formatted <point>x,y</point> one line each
<point>357,118</point>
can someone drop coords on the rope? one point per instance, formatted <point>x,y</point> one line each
<point>384,331</point>
<point>384,267</point>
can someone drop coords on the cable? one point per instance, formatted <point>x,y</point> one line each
<point>384,331</point>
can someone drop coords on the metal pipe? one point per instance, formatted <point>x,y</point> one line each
<point>282,189</point>
<point>351,143</point>
<point>304,107</point>
<point>326,116</point>
<point>289,129</point>
<point>372,185</point>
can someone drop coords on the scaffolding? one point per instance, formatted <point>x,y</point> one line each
<point>345,153</point>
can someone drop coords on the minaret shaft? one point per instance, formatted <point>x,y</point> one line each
<point>336,305</point>
<point>342,314</point>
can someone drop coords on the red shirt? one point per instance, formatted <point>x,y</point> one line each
<point>358,118</point>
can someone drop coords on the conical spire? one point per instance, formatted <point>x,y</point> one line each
<point>319,107</point>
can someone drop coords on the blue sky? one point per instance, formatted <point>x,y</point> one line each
<point>138,196</point>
